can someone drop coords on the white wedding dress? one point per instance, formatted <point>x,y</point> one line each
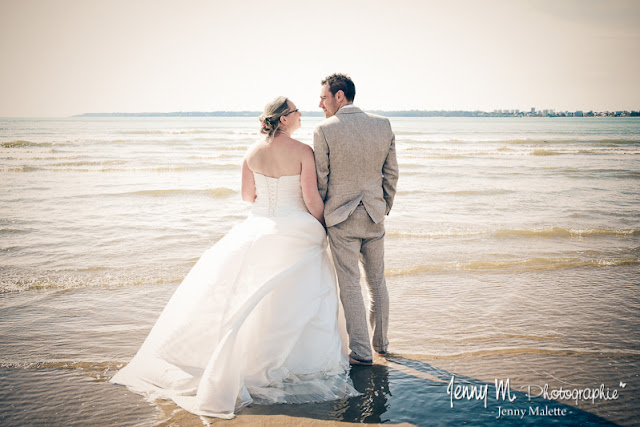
<point>255,320</point>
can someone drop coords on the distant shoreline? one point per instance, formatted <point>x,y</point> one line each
<point>405,113</point>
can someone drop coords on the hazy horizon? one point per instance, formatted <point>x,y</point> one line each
<point>71,57</point>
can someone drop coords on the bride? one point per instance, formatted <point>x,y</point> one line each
<point>257,318</point>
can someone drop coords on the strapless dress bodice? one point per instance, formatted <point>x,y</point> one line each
<point>278,196</point>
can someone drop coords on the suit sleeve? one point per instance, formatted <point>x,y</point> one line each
<point>390,175</point>
<point>321,153</point>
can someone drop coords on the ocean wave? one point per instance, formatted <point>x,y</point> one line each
<point>503,152</point>
<point>212,138</point>
<point>20,143</point>
<point>514,141</point>
<point>520,351</point>
<point>42,158</point>
<point>567,232</point>
<point>164,132</point>
<point>155,141</point>
<point>217,156</point>
<point>620,141</point>
<point>500,336</point>
<point>231,142</point>
<point>241,132</point>
<point>60,168</point>
<point>62,364</point>
<point>414,172</point>
<point>596,173</point>
<point>444,156</point>
<point>98,371</point>
<point>19,169</point>
<point>406,132</point>
<point>409,192</point>
<point>608,151</point>
<point>478,192</point>
<point>411,165</point>
<point>75,279</point>
<point>533,233</point>
<point>48,169</point>
<point>172,168</point>
<point>568,141</point>
<point>189,141</point>
<point>12,231</point>
<point>89,163</point>
<point>230,148</point>
<point>23,143</point>
<point>510,266</point>
<point>518,141</point>
<point>631,175</point>
<point>427,144</point>
<point>211,192</point>
<point>433,235</point>
<point>541,152</point>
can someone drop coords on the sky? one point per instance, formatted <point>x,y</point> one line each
<point>66,57</point>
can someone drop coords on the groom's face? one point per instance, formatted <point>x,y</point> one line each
<point>328,102</point>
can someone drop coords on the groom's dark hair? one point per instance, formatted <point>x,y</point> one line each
<point>341,82</point>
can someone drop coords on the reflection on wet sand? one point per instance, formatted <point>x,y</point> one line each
<point>401,389</point>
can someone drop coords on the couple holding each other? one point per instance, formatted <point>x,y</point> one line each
<point>257,319</point>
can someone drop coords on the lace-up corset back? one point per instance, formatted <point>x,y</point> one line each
<point>278,196</point>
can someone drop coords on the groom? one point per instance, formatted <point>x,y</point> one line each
<point>357,175</point>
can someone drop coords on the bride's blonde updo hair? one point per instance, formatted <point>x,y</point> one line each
<point>270,119</point>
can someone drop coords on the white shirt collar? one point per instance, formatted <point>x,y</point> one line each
<point>348,106</point>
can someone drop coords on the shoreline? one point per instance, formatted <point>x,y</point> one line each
<point>398,390</point>
<point>408,388</point>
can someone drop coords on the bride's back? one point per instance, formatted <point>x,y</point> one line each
<point>280,157</point>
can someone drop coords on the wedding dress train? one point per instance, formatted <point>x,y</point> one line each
<point>255,320</point>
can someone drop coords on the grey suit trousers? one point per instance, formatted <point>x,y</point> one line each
<point>358,238</point>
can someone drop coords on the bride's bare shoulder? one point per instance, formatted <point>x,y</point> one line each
<point>254,148</point>
<point>299,145</point>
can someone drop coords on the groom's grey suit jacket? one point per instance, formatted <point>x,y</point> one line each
<point>356,162</point>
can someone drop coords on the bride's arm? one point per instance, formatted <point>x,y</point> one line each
<point>248,188</point>
<point>309,183</point>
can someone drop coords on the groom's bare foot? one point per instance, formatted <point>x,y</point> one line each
<point>353,361</point>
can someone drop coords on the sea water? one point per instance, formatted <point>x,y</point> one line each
<point>512,251</point>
